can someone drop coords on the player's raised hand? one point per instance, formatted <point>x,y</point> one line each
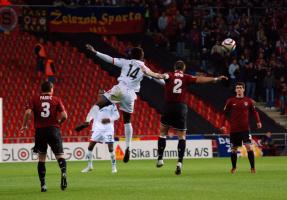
<point>90,48</point>
<point>222,78</point>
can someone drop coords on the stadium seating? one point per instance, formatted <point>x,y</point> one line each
<point>78,82</point>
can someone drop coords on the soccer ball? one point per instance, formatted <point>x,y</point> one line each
<point>228,45</point>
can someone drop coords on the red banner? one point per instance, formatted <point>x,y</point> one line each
<point>100,20</point>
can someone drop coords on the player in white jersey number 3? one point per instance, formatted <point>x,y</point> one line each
<point>124,93</point>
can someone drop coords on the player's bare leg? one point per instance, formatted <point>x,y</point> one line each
<point>89,157</point>
<point>181,149</point>
<point>251,158</point>
<point>113,157</point>
<point>42,171</point>
<point>128,135</point>
<point>63,166</point>
<point>161,144</point>
<point>233,159</point>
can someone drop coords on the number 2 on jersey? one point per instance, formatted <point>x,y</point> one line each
<point>178,84</point>
<point>133,73</point>
<point>46,109</point>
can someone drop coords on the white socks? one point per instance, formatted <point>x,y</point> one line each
<point>113,157</point>
<point>93,112</point>
<point>128,134</point>
<point>90,158</point>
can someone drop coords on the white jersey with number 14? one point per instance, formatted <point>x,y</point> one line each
<point>131,72</point>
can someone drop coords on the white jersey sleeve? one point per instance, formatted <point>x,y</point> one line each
<point>119,62</point>
<point>91,114</point>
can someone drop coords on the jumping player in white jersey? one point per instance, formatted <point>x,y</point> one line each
<point>124,93</point>
<point>102,132</point>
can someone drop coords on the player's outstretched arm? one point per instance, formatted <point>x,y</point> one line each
<point>27,115</point>
<point>203,79</point>
<point>82,126</point>
<point>159,81</point>
<point>102,56</point>
<point>152,74</point>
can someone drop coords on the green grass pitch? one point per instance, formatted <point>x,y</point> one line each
<point>201,179</point>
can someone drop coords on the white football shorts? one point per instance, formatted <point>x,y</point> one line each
<point>102,137</point>
<point>124,96</point>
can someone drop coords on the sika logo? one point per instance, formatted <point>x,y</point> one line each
<point>8,19</point>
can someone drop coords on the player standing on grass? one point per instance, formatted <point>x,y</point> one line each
<point>46,109</point>
<point>102,132</point>
<point>124,93</point>
<point>239,108</point>
<point>175,110</point>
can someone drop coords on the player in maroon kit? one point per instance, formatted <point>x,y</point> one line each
<point>46,109</point>
<point>175,110</point>
<point>239,108</point>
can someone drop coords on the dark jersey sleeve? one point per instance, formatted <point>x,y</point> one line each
<point>254,111</point>
<point>190,79</point>
<point>60,106</point>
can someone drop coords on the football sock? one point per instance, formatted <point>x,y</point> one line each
<point>233,159</point>
<point>113,157</point>
<point>62,164</point>
<point>251,159</point>
<point>181,149</point>
<point>42,172</point>
<point>128,134</point>
<point>161,143</point>
<point>90,158</point>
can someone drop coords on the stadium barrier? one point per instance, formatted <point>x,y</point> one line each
<point>221,144</point>
<point>140,150</point>
<point>224,148</point>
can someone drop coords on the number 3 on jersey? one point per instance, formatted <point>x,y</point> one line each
<point>133,73</point>
<point>178,84</point>
<point>46,109</point>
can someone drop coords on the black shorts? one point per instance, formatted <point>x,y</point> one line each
<point>48,136</point>
<point>174,115</point>
<point>237,138</point>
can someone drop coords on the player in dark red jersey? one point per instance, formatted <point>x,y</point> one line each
<point>175,109</point>
<point>239,108</point>
<point>49,113</point>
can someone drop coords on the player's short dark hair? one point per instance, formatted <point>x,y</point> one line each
<point>46,86</point>
<point>137,53</point>
<point>101,91</point>
<point>240,84</point>
<point>179,65</point>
